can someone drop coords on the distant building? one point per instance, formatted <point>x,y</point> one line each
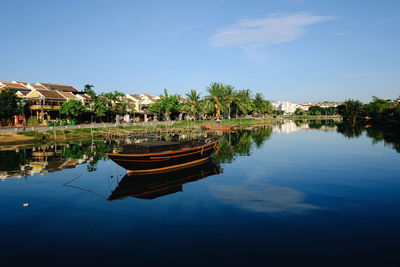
<point>13,86</point>
<point>45,99</point>
<point>324,104</point>
<point>141,101</point>
<point>304,107</point>
<point>285,106</point>
<point>45,104</point>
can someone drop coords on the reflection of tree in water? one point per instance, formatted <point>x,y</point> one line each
<point>260,135</point>
<point>389,135</point>
<point>93,151</point>
<point>11,160</point>
<point>240,143</point>
<point>50,158</point>
<point>349,129</point>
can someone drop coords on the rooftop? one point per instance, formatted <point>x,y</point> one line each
<point>59,87</point>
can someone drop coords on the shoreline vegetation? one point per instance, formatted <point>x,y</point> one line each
<point>60,134</point>
<point>232,144</point>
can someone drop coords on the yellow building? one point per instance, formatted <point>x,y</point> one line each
<point>45,104</point>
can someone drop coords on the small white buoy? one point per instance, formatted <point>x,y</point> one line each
<point>25,205</point>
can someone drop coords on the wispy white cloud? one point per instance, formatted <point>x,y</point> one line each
<point>340,33</point>
<point>365,74</point>
<point>275,200</point>
<point>253,34</point>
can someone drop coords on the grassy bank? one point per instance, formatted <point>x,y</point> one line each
<point>122,131</point>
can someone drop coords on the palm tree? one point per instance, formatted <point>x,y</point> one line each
<point>88,89</point>
<point>261,106</point>
<point>216,91</point>
<point>244,101</point>
<point>193,103</point>
<point>258,103</point>
<point>229,97</point>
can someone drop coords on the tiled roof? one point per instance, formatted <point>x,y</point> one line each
<point>68,95</point>
<point>14,85</point>
<point>38,86</point>
<point>59,87</point>
<point>85,96</point>
<point>23,83</point>
<point>135,96</point>
<point>51,94</point>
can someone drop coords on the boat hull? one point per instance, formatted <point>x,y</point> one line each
<point>158,162</point>
<point>219,127</point>
<point>154,185</point>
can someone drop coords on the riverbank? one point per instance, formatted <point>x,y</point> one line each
<point>19,136</point>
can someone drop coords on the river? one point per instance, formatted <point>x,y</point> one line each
<point>298,193</point>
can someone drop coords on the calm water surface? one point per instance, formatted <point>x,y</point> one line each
<point>291,194</point>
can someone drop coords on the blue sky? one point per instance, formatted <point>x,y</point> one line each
<point>288,50</point>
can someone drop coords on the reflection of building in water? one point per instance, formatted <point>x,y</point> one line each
<point>288,127</point>
<point>37,160</point>
<point>291,126</point>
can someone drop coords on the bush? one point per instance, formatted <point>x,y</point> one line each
<point>33,121</point>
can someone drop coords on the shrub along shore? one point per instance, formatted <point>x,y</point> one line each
<point>59,134</point>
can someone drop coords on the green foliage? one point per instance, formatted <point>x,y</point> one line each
<point>113,96</point>
<point>318,110</point>
<point>8,105</point>
<point>166,105</point>
<point>351,110</point>
<point>378,108</point>
<point>217,93</point>
<point>193,105</point>
<point>299,111</point>
<point>100,107</point>
<point>121,108</point>
<point>33,121</point>
<point>261,106</point>
<point>243,102</point>
<point>88,89</point>
<point>225,99</point>
<point>72,108</point>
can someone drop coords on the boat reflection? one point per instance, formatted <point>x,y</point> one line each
<point>154,185</point>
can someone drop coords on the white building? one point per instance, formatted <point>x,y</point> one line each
<point>141,101</point>
<point>285,106</point>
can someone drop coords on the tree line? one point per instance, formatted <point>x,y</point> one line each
<point>222,101</point>
<point>378,110</point>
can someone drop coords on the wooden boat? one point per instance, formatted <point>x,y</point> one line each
<point>219,127</point>
<point>154,185</point>
<point>160,156</point>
